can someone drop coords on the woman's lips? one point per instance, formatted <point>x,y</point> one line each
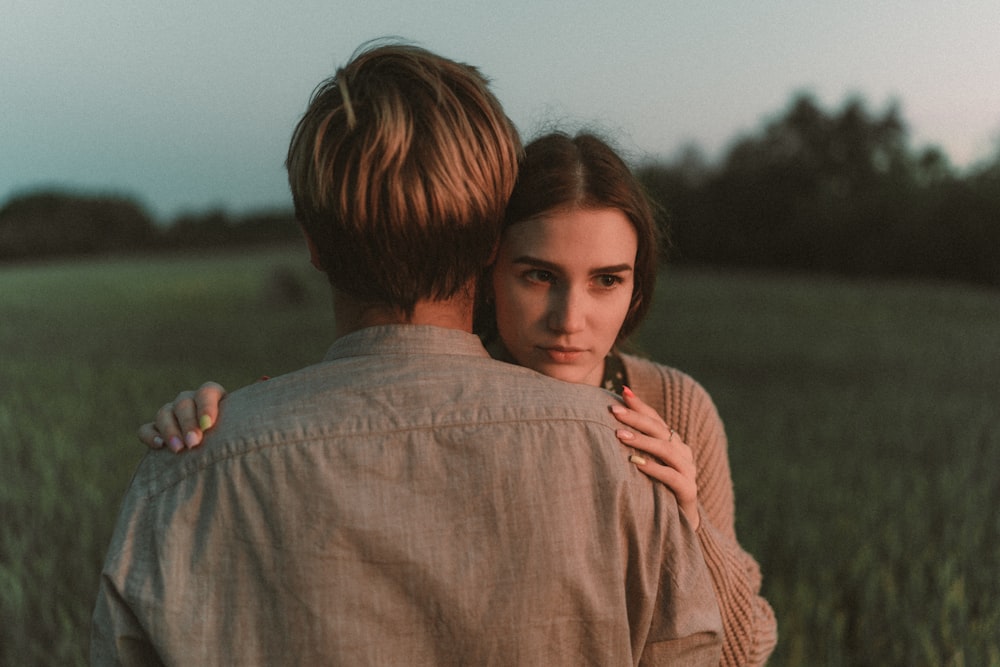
<point>563,355</point>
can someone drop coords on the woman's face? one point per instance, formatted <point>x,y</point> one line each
<point>563,285</point>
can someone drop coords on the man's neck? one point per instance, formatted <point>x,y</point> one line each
<point>351,315</point>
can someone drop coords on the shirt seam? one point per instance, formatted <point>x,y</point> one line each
<point>223,455</point>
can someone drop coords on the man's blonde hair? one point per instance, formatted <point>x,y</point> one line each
<point>400,171</point>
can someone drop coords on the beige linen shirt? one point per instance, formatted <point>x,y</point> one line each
<point>407,501</point>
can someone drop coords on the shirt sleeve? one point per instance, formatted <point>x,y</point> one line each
<point>116,636</point>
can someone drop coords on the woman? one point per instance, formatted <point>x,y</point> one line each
<point>574,275</point>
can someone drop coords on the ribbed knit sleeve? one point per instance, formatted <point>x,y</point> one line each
<point>748,620</point>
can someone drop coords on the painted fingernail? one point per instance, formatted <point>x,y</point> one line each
<point>191,439</point>
<point>625,435</point>
<point>638,460</point>
<point>627,392</point>
<point>157,442</point>
<point>175,444</point>
<point>205,422</point>
<point>618,409</point>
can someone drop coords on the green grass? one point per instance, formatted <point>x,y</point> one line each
<point>864,428</point>
<point>864,424</point>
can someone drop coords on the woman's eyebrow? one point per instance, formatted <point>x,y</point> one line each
<point>535,261</point>
<point>552,266</point>
<point>615,268</point>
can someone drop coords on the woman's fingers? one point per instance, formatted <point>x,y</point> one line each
<point>637,404</point>
<point>639,416</point>
<point>645,425</point>
<point>671,451</point>
<point>207,400</point>
<point>671,477</point>
<point>681,482</point>
<point>167,428</point>
<point>182,423</point>
<point>186,415</point>
<point>197,411</point>
<point>150,437</point>
<point>661,453</point>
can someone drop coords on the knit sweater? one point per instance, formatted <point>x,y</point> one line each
<point>748,620</point>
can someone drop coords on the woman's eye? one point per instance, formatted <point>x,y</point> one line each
<point>539,276</point>
<point>608,280</point>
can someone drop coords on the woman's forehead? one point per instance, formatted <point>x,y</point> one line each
<point>584,233</point>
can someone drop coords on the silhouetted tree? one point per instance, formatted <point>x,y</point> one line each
<point>835,192</point>
<point>51,222</point>
<point>203,230</point>
<point>216,228</point>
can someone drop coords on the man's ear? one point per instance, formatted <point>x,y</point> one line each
<point>313,251</point>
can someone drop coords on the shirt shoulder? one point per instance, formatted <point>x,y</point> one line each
<point>378,397</point>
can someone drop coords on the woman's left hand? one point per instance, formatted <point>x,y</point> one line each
<point>670,459</point>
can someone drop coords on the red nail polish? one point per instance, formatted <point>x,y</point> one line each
<point>627,392</point>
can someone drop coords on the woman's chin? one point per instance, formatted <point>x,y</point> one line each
<point>566,373</point>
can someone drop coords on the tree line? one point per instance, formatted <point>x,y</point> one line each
<point>56,223</point>
<point>838,192</point>
<point>835,191</point>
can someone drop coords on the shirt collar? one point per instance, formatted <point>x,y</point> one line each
<point>406,339</point>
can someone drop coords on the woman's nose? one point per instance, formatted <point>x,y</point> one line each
<point>566,311</point>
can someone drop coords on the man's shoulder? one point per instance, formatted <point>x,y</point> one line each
<point>503,386</point>
<point>344,399</point>
<point>428,380</point>
<point>353,394</point>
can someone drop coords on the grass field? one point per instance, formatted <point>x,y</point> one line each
<point>864,424</point>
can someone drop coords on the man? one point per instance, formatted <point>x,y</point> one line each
<point>409,500</point>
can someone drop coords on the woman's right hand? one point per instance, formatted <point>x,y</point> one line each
<point>181,424</point>
<point>672,461</point>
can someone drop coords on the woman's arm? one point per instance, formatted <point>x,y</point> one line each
<point>751,630</point>
<point>749,622</point>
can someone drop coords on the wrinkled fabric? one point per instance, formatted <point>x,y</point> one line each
<point>407,501</point>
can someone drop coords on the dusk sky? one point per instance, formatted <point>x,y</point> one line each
<point>187,106</point>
